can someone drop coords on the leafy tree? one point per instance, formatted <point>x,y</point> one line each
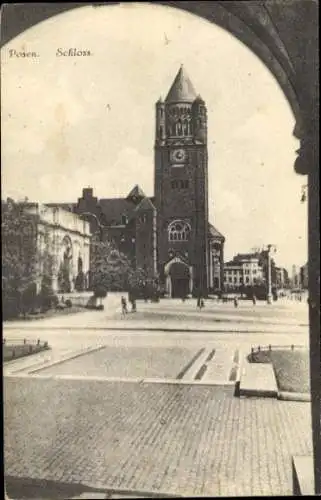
<point>112,270</point>
<point>137,278</point>
<point>23,263</point>
<point>142,285</point>
<point>19,257</point>
<point>109,267</point>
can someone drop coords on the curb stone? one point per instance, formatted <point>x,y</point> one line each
<point>239,374</point>
<point>67,358</point>
<point>294,396</point>
<point>260,392</point>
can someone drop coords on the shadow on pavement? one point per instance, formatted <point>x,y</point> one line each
<point>40,489</point>
<point>23,488</point>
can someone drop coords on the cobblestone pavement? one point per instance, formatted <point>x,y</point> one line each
<point>180,439</point>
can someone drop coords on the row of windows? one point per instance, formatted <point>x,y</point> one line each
<point>180,128</point>
<point>236,271</point>
<point>235,280</point>
<point>180,184</point>
<point>177,230</point>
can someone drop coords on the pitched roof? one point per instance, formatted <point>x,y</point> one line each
<point>136,192</point>
<point>214,233</point>
<point>145,204</point>
<point>246,256</point>
<point>114,208</point>
<point>182,89</point>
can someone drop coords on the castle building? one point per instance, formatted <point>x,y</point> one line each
<point>168,235</point>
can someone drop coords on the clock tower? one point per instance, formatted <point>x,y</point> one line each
<point>181,191</point>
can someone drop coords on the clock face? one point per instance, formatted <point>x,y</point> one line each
<point>178,155</point>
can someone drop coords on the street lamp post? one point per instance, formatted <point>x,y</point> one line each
<point>269,273</point>
<point>100,226</point>
<point>269,276</point>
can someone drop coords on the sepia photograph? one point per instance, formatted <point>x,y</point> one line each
<point>160,249</point>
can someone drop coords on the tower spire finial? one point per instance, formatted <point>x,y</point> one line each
<point>182,89</point>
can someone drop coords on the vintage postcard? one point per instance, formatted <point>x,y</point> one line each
<point>156,284</point>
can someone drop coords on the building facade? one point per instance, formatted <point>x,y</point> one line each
<point>243,270</point>
<point>282,277</point>
<point>63,247</point>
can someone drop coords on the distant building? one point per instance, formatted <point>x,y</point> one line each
<point>295,278</point>
<point>281,277</point>
<point>243,270</point>
<point>304,276</point>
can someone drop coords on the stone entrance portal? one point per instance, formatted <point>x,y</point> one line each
<point>179,281</point>
<point>180,276</point>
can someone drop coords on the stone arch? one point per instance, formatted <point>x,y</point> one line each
<point>178,230</point>
<point>179,278</point>
<point>284,35</point>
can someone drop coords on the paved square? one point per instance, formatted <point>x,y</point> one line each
<point>183,439</point>
<point>131,362</point>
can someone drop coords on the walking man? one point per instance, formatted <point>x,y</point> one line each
<point>123,306</point>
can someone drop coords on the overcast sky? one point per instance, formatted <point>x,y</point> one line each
<point>69,122</point>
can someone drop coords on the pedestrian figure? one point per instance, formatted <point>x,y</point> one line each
<point>199,303</point>
<point>236,302</point>
<point>254,299</point>
<point>133,305</point>
<point>123,306</point>
<point>202,304</point>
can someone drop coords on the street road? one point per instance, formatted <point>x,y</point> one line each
<point>121,402</point>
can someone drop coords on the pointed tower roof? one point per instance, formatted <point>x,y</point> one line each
<point>182,89</point>
<point>136,194</point>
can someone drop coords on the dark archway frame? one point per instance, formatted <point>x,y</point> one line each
<point>284,35</point>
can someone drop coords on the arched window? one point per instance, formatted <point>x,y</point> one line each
<point>80,265</point>
<point>179,231</point>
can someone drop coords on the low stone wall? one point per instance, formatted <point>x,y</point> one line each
<point>84,299</point>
